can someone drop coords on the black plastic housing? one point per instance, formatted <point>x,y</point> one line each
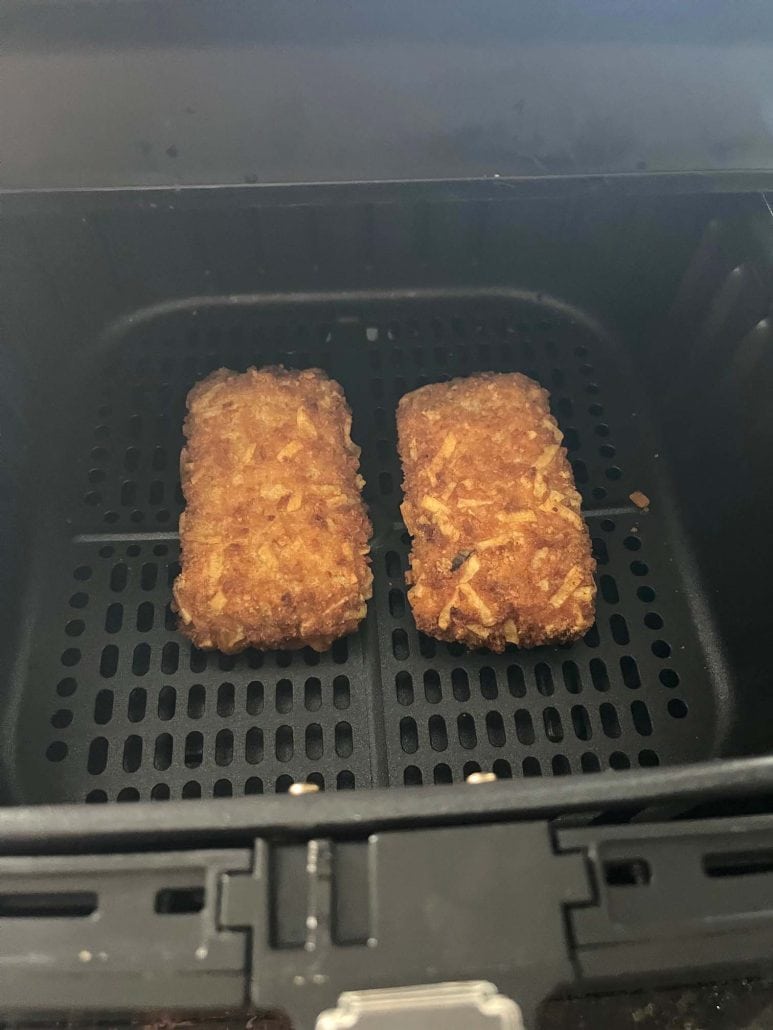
<point>644,316</point>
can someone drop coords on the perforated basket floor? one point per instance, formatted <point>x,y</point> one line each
<point>113,704</point>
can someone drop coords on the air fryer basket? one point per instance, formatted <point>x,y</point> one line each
<point>106,701</point>
<point>116,705</point>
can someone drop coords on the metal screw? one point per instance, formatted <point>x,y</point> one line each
<point>299,789</point>
<point>481,777</point>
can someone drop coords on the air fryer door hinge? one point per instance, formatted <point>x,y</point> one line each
<point>407,908</point>
<point>675,899</point>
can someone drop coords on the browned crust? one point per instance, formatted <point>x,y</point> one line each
<point>274,538</point>
<point>500,551</point>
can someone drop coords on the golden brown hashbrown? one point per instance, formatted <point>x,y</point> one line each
<point>274,537</point>
<point>500,552</point>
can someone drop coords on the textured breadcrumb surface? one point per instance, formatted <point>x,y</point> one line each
<point>500,552</point>
<point>274,536</point>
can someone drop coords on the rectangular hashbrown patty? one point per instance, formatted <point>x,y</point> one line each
<point>500,551</point>
<point>274,537</point>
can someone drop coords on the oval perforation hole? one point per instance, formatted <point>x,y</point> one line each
<point>495,729</point>
<point>191,790</point>
<point>127,794</point>
<point>103,707</point>
<point>516,682</point>
<point>581,722</point>
<point>253,785</point>
<point>344,739</point>
<point>167,703</point>
<point>404,688</point>
<point>226,700</point>
<point>141,659</point>
<point>571,675</point>
<point>66,687</point>
<point>677,709</point>
<point>599,675</point>
<point>341,693</point>
<point>460,684</point>
<point>630,672</point>
<point>224,747</point>
<point>170,657</point>
<point>255,697</point>
<point>145,615</point>
<point>194,749</point>
<point>554,730</point>
<point>524,727</point>
<point>132,753</point>
<point>589,762</point>
<point>619,761</point>
<point>619,629</point>
<point>108,662</point>
<point>160,792</point>
<point>609,590</point>
<point>432,689</point>
<point>71,656</point>
<point>438,734</point>
<point>253,745</point>
<point>560,765</point>
<point>531,766</point>
<point>544,679</point>
<point>97,756</point>
<point>393,564</point>
<point>119,577</point>
<point>468,737</point>
<point>648,759</point>
<point>284,744</point>
<point>412,776</point>
<point>609,720</point>
<point>313,744</point>
<point>427,646</point>
<point>162,752</point>
<point>400,648</point>
<point>197,697</point>
<point>442,774</point>
<point>340,651</point>
<point>488,683</point>
<point>284,696</point>
<point>600,552</point>
<point>137,703</point>
<point>641,718</point>
<point>345,780</point>
<point>61,718</point>
<point>592,638</point>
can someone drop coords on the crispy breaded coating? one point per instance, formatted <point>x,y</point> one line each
<point>500,551</point>
<point>274,537</point>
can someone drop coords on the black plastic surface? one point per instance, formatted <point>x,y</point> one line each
<point>152,934</point>
<point>325,917</point>
<point>692,898</point>
<point>221,91</point>
<point>113,704</point>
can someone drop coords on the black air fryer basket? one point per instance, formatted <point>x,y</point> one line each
<point>397,196</point>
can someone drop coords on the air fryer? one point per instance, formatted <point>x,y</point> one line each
<point>153,778</point>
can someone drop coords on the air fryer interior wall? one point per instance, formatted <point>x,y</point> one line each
<point>644,317</point>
